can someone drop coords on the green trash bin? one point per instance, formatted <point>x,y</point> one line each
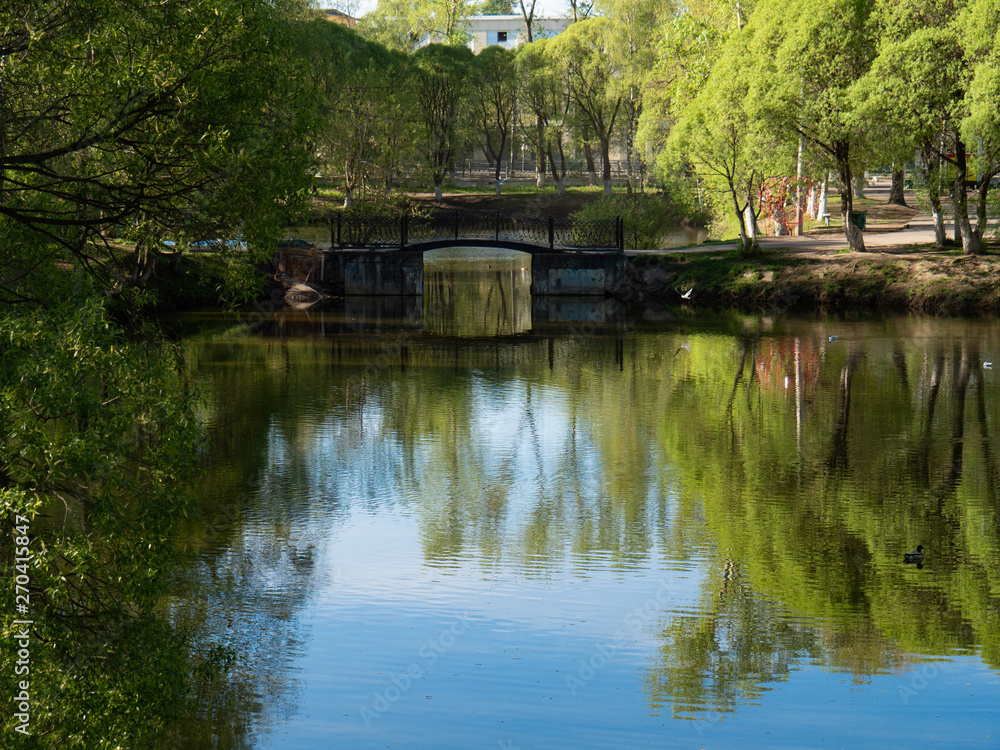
<point>859,219</point>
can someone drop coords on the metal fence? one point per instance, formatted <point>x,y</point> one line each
<point>401,231</point>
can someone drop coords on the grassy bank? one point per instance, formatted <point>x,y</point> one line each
<point>919,279</point>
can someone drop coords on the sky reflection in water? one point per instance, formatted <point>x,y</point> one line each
<point>640,543</point>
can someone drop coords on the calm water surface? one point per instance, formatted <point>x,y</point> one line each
<point>667,530</point>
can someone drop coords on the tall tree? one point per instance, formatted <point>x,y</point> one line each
<point>493,93</point>
<point>406,24</point>
<point>915,91</point>
<point>545,99</point>
<point>366,133</point>
<point>979,25</point>
<point>690,42</point>
<point>141,120</point>
<point>807,57</point>
<point>633,29</point>
<point>441,85</point>
<point>723,143</point>
<point>581,51</point>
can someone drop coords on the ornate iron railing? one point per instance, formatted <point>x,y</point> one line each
<point>448,226</point>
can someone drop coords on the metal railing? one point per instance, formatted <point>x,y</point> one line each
<point>403,230</point>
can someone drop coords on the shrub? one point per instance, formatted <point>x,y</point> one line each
<point>648,216</point>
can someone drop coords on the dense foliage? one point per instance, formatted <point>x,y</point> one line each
<point>124,123</point>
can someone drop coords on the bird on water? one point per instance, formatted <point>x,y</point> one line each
<point>914,557</point>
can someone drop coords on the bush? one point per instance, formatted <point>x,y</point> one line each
<point>648,216</point>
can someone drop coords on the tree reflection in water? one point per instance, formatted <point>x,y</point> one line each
<point>802,468</point>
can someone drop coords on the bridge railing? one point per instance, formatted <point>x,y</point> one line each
<point>403,230</point>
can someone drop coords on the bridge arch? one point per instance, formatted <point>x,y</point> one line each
<point>524,247</point>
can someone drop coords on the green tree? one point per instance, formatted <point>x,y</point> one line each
<point>441,74</point>
<point>405,24</point>
<point>96,437</point>
<point>581,51</point>
<point>143,120</point>
<point>545,100</point>
<point>366,133</point>
<point>915,89</point>
<point>806,58</point>
<point>979,26</point>
<point>720,140</point>
<point>630,48</point>
<point>493,94</point>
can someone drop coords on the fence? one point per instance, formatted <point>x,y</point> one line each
<point>482,226</point>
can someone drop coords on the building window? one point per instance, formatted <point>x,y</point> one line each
<point>501,37</point>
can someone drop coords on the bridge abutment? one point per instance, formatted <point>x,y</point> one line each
<point>374,272</point>
<point>576,274</point>
<point>401,273</point>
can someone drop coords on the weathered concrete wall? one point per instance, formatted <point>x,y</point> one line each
<point>400,272</point>
<point>375,272</point>
<point>576,274</point>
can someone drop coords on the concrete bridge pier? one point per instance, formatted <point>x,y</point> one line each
<point>576,274</point>
<point>401,272</point>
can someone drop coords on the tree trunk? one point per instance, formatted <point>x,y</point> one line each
<point>559,178</point>
<point>750,219</point>
<point>606,171</point>
<point>971,243</point>
<point>798,188</point>
<point>588,153</point>
<point>540,153</point>
<point>896,195</point>
<point>745,247</point>
<point>821,208</point>
<point>982,205</point>
<point>855,238</point>
<point>930,166</point>
<point>859,186</point>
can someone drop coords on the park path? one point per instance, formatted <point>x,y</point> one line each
<point>918,230</point>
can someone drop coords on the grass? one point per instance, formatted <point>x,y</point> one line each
<point>450,187</point>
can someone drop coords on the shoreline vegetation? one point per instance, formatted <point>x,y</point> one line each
<point>806,273</point>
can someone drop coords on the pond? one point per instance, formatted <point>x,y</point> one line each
<point>665,529</point>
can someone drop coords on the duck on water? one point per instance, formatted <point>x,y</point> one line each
<point>914,557</point>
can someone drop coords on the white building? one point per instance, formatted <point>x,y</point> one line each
<point>508,31</point>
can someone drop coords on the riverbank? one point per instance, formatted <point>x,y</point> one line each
<point>901,270</point>
<point>897,278</point>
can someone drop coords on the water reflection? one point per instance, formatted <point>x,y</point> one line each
<point>477,291</point>
<point>681,520</point>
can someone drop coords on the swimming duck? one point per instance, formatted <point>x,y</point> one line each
<point>914,557</point>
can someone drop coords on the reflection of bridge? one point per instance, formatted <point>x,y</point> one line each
<point>531,234</point>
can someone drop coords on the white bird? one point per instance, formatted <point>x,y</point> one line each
<point>687,294</point>
<point>833,338</point>
<point>988,365</point>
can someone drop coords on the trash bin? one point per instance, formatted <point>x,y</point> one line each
<point>859,219</point>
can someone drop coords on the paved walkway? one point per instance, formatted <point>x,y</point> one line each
<point>918,231</point>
